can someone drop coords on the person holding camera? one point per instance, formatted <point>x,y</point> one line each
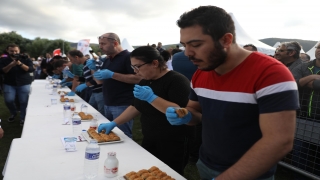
<point>16,69</point>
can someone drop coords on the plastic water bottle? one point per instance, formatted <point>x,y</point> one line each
<point>54,89</point>
<point>65,75</point>
<point>98,64</point>
<point>66,112</point>
<point>111,165</point>
<point>91,161</point>
<point>76,124</point>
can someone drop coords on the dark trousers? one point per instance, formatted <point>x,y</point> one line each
<point>174,153</point>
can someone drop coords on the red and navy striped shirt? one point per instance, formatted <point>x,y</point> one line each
<point>231,104</point>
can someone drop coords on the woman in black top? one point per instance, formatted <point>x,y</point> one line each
<point>159,89</point>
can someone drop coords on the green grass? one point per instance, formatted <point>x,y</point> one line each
<point>13,130</point>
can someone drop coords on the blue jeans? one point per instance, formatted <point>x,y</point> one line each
<point>112,112</point>
<point>96,101</point>
<point>23,96</point>
<point>207,173</point>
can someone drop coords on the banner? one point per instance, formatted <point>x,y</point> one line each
<point>83,46</point>
<point>57,52</point>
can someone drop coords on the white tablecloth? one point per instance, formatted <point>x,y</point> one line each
<point>39,153</point>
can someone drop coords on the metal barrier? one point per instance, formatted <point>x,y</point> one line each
<point>305,156</point>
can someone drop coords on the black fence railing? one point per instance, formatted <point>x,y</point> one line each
<point>305,156</point>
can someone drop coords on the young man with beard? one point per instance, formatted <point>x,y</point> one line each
<point>17,81</point>
<point>245,100</point>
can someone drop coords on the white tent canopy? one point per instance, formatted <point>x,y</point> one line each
<point>243,38</point>
<point>276,44</point>
<point>126,45</point>
<point>312,51</point>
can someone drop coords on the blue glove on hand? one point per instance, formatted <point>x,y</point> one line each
<point>173,118</point>
<point>63,81</point>
<point>103,74</point>
<point>144,93</point>
<point>91,64</point>
<point>107,127</point>
<point>70,74</point>
<point>66,84</point>
<point>71,93</point>
<point>56,76</point>
<point>81,87</point>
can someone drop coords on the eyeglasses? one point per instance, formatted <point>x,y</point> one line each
<point>103,37</point>
<point>136,67</point>
<point>280,50</point>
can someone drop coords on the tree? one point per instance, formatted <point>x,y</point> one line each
<point>12,37</point>
<point>56,44</point>
<point>37,47</point>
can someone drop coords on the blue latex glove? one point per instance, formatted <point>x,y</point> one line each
<point>71,93</point>
<point>144,93</point>
<point>103,74</point>
<point>173,118</point>
<point>56,76</point>
<point>66,84</point>
<point>107,127</point>
<point>91,64</point>
<point>70,74</point>
<point>81,87</point>
<point>63,81</point>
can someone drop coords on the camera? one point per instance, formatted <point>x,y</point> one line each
<point>20,56</point>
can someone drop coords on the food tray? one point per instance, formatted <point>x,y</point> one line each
<point>88,138</point>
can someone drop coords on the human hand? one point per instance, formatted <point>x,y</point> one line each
<point>66,84</point>
<point>107,127</point>
<point>63,81</point>
<point>91,64</point>
<point>144,93</point>
<point>81,87</point>
<point>55,76</point>
<point>69,74</point>
<point>71,93</point>
<point>103,74</point>
<point>173,118</point>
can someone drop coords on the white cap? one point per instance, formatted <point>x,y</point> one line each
<point>103,56</point>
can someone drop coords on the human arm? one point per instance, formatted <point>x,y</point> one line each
<point>305,80</point>
<point>277,140</point>
<point>126,78</point>
<point>7,68</point>
<point>124,117</point>
<point>1,132</point>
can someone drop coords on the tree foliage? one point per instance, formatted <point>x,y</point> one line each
<point>38,46</point>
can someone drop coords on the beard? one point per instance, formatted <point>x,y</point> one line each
<point>215,58</point>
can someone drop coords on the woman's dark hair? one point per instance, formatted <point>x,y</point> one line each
<point>166,55</point>
<point>214,21</point>
<point>147,54</point>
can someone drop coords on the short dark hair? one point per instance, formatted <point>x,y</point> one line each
<point>59,63</point>
<point>147,54</point>
<point>214,21</point>
<point>12,45</point>
<point>251,45</point>
<point>75,52</point>
<point>175,51</point>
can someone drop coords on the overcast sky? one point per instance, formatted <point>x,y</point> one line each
<point>150,21</point>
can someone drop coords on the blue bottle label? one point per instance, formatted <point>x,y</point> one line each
<point>76,121</point>
<point>92,156</point>
<point>67,107</point>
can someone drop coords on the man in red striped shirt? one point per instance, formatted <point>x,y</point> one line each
<point>245,100</point>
